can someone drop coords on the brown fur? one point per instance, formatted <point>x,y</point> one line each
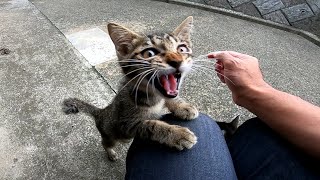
<point>136,109</point>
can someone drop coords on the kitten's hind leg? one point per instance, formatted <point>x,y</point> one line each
<point>108,145</point>
<point>170,135</point>
<point>182,109</point>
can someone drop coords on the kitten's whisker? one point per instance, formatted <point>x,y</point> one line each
<point>145,35</point>
<point>204,60</point>
<point>130,81</point>
<point>132,65</point>
<point>136,87</point>
<point>208,61</point>
<point>128,60</point>
<point>201,66</point>
<point>211,62</point>
<point>135,62</point>
<point>138,60</point>
<point>193,70</point>
<point>196,69</point>
<point>200,57</point>
<point>158,77</point>
<point>147,87</point>
<point>225,77</point>
<point>156,74</point>
<point>159,65</point>
<point>205,56</point>
<point>201,70</point>
<point>133,72</point>
<point>215,71</point>
<point>142,77</point>
<point>206,68</point>
<point>146,73</point>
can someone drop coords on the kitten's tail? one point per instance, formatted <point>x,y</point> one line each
<point>230,128</point>
<point>74,105</point>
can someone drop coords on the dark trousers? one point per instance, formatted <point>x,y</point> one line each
<point>256,152</point>
<point>260,153</point>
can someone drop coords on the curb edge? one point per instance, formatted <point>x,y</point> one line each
<point>305,34</point>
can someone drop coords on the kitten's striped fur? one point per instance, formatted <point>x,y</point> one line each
<point>154,66</point>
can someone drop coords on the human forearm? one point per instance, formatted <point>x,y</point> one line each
<point>295,119</point>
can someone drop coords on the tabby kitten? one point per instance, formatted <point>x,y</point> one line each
<point>154,67</point>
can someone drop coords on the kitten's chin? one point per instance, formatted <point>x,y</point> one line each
<point>168,85</point>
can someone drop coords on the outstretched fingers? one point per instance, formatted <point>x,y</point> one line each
<point>224,56</point>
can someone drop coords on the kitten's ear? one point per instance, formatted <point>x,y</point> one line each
<point>183,31</point>
<point>123,38</point>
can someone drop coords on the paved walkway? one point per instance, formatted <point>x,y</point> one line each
<point>302,14</point>
<point>39,67</point>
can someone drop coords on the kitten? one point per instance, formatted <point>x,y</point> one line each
<point>154,66</point>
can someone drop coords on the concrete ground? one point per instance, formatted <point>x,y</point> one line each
<point>302,14</point>
<point>42,68</point>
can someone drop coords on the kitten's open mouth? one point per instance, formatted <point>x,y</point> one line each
<point>168,84</point>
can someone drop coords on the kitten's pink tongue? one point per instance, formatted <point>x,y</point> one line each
<point>169,84</point>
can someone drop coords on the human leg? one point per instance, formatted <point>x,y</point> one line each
<point>208,159</point>
<point>260,153</point>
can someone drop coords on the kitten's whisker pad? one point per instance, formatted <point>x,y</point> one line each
<point>135,70</point>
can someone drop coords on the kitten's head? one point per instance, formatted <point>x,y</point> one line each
<point>158,60</point>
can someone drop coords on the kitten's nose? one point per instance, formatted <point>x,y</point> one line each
<point>174,59</point>
<point>175,64</point>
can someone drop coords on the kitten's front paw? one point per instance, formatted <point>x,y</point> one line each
<point>186,111</point>
<point>182,138</point>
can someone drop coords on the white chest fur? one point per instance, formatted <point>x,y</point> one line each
<point>157,109</point>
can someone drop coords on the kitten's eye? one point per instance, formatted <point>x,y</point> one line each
<point>183,49</point>
<point>150,52</point>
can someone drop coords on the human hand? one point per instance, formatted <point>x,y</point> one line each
<point>240,72</point>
